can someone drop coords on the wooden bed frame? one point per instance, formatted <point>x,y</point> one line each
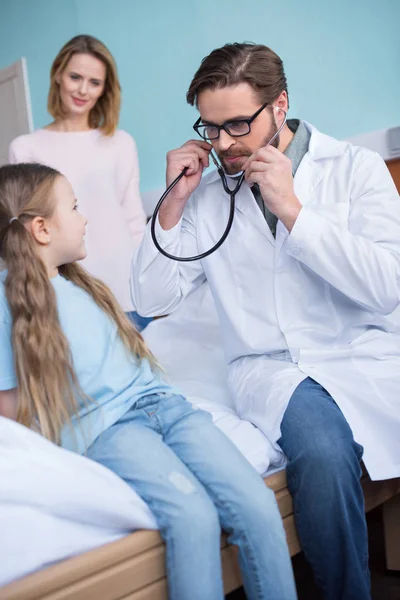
<point>133,568</point>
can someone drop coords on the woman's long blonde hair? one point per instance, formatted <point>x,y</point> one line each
<point>105,114</point>
<point>48,390</point>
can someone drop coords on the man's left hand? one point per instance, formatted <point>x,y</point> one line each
<point>272,171</point>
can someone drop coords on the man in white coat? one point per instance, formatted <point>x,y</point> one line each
<point>305,287</point>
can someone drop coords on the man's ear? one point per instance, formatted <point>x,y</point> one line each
<point>40,230</point>
<point>282,101</point>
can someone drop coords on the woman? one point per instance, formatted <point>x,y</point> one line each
<point>101,161</point>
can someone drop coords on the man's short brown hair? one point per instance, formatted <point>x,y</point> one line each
<point>236,63</point>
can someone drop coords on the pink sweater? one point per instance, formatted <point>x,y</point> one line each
<point>104,173</point>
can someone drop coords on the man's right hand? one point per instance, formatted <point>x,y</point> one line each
<point>194,155</point>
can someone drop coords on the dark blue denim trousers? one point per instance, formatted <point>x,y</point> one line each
<point>323,474</point>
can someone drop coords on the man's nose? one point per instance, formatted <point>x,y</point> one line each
<point>225,141</point>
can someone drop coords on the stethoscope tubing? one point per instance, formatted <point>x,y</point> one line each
<point>232,194</point>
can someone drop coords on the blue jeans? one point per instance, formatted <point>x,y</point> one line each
<point>195,481</point>
<point>323,475</point>
<point>139,322</point>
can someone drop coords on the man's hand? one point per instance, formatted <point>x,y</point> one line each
<point>194,155</point>
<point>272,171</point>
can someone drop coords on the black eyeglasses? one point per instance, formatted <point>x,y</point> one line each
<point>234,128</point>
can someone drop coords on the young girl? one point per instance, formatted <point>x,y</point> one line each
<point>100,161</point>
<point>74,368</point>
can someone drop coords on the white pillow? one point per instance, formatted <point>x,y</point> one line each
<point>55,503</point>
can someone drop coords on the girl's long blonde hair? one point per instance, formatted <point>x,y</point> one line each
<point>48,390</point>
<point>105,114</point>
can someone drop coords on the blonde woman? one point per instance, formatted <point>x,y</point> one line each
<point>101,161</point>
<point>74,367</point>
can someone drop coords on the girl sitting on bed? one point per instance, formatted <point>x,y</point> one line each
<point>74,368</point>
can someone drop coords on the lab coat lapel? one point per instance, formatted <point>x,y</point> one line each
<point>247,205</point>
<point>310,172</point>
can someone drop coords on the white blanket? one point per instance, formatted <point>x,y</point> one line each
<point>187,344</point>
<point>55,504</point>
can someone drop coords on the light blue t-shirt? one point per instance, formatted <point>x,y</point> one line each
<point>106,371</point>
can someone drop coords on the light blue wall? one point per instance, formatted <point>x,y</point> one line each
<point>342,58</point>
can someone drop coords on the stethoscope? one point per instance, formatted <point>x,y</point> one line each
<point>231,193</point>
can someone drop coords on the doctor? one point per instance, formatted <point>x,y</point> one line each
<point>305,287</point>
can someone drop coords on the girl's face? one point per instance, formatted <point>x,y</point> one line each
<point>67,227</point>
<point>81,84</point>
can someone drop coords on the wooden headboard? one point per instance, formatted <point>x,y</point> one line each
<point>394,168</point>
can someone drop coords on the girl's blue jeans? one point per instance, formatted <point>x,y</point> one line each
<point>196,481</point>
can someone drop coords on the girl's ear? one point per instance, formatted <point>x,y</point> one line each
<point>40,230</point>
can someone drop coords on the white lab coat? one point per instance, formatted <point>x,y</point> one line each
<point>317,302</point>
